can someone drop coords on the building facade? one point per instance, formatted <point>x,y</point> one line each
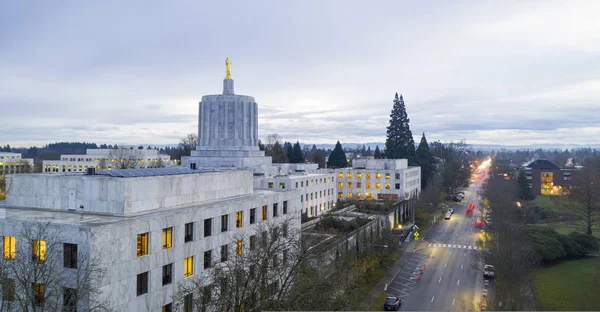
<point>546,178</point>
<point>11,163</point>
<point>107,159</point>
<point>150,232</point>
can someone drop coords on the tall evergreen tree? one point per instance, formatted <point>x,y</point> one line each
<point>377,154</point>
<point>369,152</point>
<point>426,160</point>
<point>337,158</point>
<point>525,192</point>
<point>400,142</point>
<point>289,151</point>
<point>297,156</point>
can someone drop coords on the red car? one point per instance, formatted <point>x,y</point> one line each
<point>472,206</point>
<point>478,222</point>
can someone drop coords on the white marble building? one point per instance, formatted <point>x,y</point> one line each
<point>13,163</point>
<point>140,225</point>
<point>380,179</point>
<point>106,159</point>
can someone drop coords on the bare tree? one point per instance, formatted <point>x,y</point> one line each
<point>275,149</point>
<point>124,158</point>
<point>36,275</point>
<point>189,143</point>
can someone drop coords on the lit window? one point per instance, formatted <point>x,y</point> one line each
<point>368,185</point>
<point>238,219</point>
<point>387,186</point>
<point>167,238</point>
<point>368,196</point>
<point>340,175</point>
<point>349,184</point>
<point>142,244</point>
<point>264,212</point>
<point>358,195</point>
<point>377,175</point>
<point>282,185</point>
<point>168,308</point>
<point>340,195</point>
<point>10,247</point>
<point>238,247</point>
<point>349,175</point>
<point>188,266</point>
<point>377,185</point>
<point>387,175</point>
<point>349,194</point>
<point>39,250</point>
<point>368,176</point>
<point>38,294</point>
<point>340,184</point>
<point>359,175</point>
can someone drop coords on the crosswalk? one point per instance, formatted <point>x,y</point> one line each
<point>454,246</point>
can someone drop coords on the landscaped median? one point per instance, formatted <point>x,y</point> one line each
<point>571,285</point>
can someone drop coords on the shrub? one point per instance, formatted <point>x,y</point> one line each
<point>588,243</point>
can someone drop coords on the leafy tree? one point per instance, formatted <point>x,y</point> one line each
<point>377,154</point>
<point>399,142</point>
<point>426,160</point>
<point>337,158</point>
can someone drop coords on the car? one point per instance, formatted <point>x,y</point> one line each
<point>448,215</point>
<point>457,199</point>
<point>450,210</point>
<point>489,271</point>
<point>391,304</point>
<point>461,193</point>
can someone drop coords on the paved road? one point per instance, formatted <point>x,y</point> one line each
<point>452,276</point>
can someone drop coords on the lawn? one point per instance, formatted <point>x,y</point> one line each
<point>566,227</point>
<point>374,277</point>
<point>544,201</point>
<point>567,286</point>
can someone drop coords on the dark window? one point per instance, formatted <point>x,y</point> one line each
<point>142,283</point>
<point>8,289</point>
<point>285,230</point>
<point>296,184</point>
<point>168,308</point>
<point>263,239</point>
<point>207,259</point>
<point>206,294</point>
<point>397,186</point>
<point>39,291</point>
<point>252,271</point>
<point>275,235</point>
<point>167,274</point>
<point>70,255</point>
<point>285,256</point>
<point>397,176</point>
<point>69,300</point>
<point>252,242</point>
<point>275,210</point>
<point>252,215</point>
<point>189,232</point>
<point>224,223</point>
<point>224,253</point>
<point>188,303</point>
<point>301,198</point>
<point>285,207</point>
<point>207,227</point>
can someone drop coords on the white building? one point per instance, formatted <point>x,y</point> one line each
<point>390,179</point>
<point>150,232</point>
<point>107,159</point>
<point>14,163</point>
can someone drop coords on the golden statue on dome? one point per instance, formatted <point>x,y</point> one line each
<point>227,68</point>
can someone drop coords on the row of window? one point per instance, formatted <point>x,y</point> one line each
<point>10,157</point>
<point>66,168</point>
<point>140,160</point>
<point>367,175</point>
<point>38,248</point>
<point>314,195</point>
<point>39,290</point>
<point>167,233</point>
<point>369,196</point>
<point>368,185</point>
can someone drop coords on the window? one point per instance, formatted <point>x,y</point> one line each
<point>270,184</point>
<point>358,195</point>
<point>167,274</point>
<point>274,210</point>
<point>349,175</point>
<point>377,175</point>
<point>387,186</point>
<point>224,223</point>
<point>252,215</point>
<point>547,183</point>
<point>189,232</point>
<point>70,255</point>
<point>301,183</point>
<point>39,250</point>
<point>368,185</point>
<point>239,218</point>
<point>207,259</point>
<point>275,233</point>
<point>368,175</point>
<point>263,238</point>
<point>340,195</point>
<point>340,184</point>
<point>207,227</point>
<point>8,289</point>
<point>188,303</point>
<point>349,194</point>
<point>238,247</point>
<point>69,299</point>
<point>168,307</point>
<point>167,238</point>
<point>387,175</point>
<point>349,184</point>
<point>142,244</point>
<point>264,212</point>
<point>359,175</point>
<point>224,253</point>
<point>397,186</point>
<point>282,185</point>
<point>38,294</point>
<point>10,247</point>
<point>340,175</point>
<point>377,185</point>
<point>142,283</point>
<point>397,176</point>
<point>285,230</point>
<point>285,256</point>
<point>188,266</point>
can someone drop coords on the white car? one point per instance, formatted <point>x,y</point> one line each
<point>451,211</point>
<point>448,215</point>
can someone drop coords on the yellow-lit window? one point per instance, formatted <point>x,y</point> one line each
<point>142,244</point>
<point>368,196</point>
<point>547,183</point>
<point>359,175</point>
<point>188,266</point>
<point>368,175</point>
<point>238,247</point>
<point>10,249</point>
<point>340,175</point>
<point>377,175</point>
<point>368,185</point>
<point>349,184</point>
<point>377,185</point>
<point>340,184</point>
<point>39,250</point>
<point>340,195</point>
<point>387,175</point>
<point>349,194</point>
<point>238,219</point>
<point>264,212</point>
<point>167,238</point>
<point>387,186</point>
<point>349,175</point>
<point>358,195</point>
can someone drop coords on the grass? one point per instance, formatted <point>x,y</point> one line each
<point>569,285</point>
<point>375,276</point>
<point>566,227</point>
<point>544,201</point>
<point>378,306</point>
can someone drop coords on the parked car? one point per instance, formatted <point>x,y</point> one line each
<point>489,271</point>
<point>450,210</point>
<point>448,215</point>
<point>391,304</point>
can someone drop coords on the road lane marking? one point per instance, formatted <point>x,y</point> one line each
<point>432,298</point>
<point>458,283</point>
<point>461,266</point>
<point>453,300</point>
<point>465,253</point>
<point>440,280</point>
<point>445,264</point>
<point>451,252</point>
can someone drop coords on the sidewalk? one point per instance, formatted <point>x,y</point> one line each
<point>407,249</point>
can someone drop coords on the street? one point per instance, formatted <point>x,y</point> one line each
<point>452,272</point>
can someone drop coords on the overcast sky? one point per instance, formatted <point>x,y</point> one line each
<point>488,72</point>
